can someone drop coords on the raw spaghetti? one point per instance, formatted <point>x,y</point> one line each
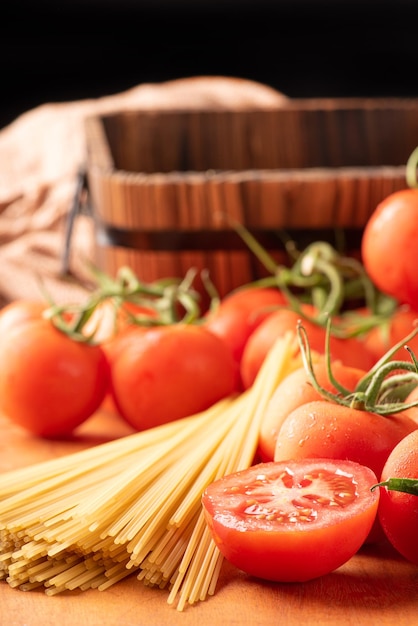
<point>91,518</point>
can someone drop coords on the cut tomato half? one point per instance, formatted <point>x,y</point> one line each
<point>292,521</point>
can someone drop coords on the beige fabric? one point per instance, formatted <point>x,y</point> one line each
<point>40,155</point>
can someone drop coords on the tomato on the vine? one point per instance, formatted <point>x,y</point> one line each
<point>398,509</point>
<point>165,373</point>
<point>49,382</point>
<point>291,521</point>
<point>389,246</point>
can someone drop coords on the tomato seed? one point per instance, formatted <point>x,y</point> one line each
<point>323,500</point>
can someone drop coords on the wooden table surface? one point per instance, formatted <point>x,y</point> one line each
<point>376,586</point>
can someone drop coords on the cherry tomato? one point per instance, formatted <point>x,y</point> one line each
<point>240,313</point>
<point>351,352</point>
<point>398,511</point>
<point>49,383</point>
<point>291,521</point>
<point>18,312</point>
<point>325,429</point>
<point>170,372</point>
<point>389,246</point>
<point>296,390</point>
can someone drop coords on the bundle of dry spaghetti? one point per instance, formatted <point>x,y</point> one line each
<point>91,518</point>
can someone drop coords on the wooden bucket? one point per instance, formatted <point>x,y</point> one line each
<point>167,187</point>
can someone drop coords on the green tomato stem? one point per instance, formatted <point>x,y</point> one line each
<point>405,485</point>
<point>367,395</point>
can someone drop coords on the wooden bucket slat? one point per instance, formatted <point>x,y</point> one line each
<point>164,182</point>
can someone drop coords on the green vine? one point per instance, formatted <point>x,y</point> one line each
<point>171,301</point>
<point>374,390</point>
<point>330,281</point>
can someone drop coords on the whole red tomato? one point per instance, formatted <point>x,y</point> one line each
<point>295,390</point>
<point>398,510</point>
<point>169,372</point>
<point>49,383</point>
<point>291,521</point>
<point>351,351</point>
<point>325,429</point>
<point>389,246</point>
<point>240,313</point>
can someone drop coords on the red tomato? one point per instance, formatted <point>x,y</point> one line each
<point>170,372</point>
<point>18,312</point>
<point>398,511</point>
<point>389,246</point>
<point>325,429</point>
<point>240,313</point>
<point>351,352</point>
<point>113,346</point>
<point>383,337</point>
<point>49,383</point>
<point>291,521</point>
<point>296,390</point>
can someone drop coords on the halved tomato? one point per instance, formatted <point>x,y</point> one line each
<point>291,521</point>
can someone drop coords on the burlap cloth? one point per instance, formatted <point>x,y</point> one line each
<point>41,153</point>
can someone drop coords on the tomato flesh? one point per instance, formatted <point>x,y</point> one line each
<point>291,521</point>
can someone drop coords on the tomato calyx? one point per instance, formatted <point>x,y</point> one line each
<point>171,299</point>
<point>382,390</point>
<point>163,302</point>
<point>405,485</point>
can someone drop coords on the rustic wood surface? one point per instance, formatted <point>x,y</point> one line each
<point>376,586</point>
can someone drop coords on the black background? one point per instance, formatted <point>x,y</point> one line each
<point>58,50</point>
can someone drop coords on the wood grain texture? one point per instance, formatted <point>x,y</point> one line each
<point>161,179</point>
<point>376,586</point>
